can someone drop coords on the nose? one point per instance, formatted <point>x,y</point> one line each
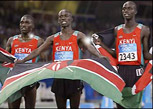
<point>63,18</point>
<point>125,10</point>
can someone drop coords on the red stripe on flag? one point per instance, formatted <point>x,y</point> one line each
<point>89,65</point>
<point>4,51</point>
<point>6,64</point>
<point>8,81</point>
<point>113,61</point>
<point>144,80</point>
<point>16,77</point>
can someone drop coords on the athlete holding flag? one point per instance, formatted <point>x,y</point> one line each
<point>131,39</point>
<point>21,46</point>
<point>66,46</point>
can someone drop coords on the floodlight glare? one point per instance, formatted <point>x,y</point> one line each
<point>87,40</point>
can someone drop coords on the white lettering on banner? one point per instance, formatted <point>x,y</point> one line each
<point>125,41</point>
<point>139,72</point>
<point>64,48</point>
<point>23,50</point>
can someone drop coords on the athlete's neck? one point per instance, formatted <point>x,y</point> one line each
<point>67,30</point>
<point>25,37</point>
<point>130,23</point>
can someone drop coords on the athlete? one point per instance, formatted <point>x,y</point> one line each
<point>131,50</point>
<point>21,46</point>
<point>65,47</point>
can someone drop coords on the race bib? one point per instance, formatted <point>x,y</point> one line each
<point>63,55</point>
<point>21,56</point>
<point>127,52</point>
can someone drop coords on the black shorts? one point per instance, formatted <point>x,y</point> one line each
<point>130,73</point>
<point>66,87</point>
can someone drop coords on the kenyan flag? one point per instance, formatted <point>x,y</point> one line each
<point>97,72</point>
<point>6,56</point>
<point>145,79</point>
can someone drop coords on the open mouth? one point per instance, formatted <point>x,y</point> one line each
<point>126,15</point>
<point>63,22</point>
<point>23,29</point>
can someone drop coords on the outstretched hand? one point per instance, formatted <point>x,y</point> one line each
<point>19,61</point>
<point>95,36</point>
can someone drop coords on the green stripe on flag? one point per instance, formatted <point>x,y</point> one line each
<point>3,73</point>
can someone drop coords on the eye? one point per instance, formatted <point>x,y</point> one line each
<point>21,22</point>
<point>66,15</point>
<point>129,8</point>
<point>123,9</point>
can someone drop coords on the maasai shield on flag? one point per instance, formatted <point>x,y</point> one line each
<point>97,72</point>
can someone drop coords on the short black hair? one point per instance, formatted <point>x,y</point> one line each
<point>66,11</point>
<point>29,17</point>
<point>133,3</point>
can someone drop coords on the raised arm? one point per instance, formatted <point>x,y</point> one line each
<point>145,39</point>
<point>82,38</point>
<point>112,52</point>
<point>37,51</point>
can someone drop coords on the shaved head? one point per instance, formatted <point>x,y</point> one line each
<point>131,3</point>
<point>29,17</point>
<point>65,10</point>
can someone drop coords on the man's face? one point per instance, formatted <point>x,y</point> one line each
<point>64,18</point>
<point>128,10</point>
<point>26,25</point>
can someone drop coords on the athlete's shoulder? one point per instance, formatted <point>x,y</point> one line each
<point>55,35</point>
<point>118,27</point>
<point>37,37</point>
<point>15,37</point>
<point>50,38</point>
<point>10,39</point>
<point>145,30</point>
<point>79,33</point>
<point>145,27</point>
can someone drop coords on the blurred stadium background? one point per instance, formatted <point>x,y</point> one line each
<point>89,17</point>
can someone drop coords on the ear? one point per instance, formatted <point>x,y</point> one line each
<point>135,12</point>
<point>58,21</point>
<point>33,26</point>
<point>72,19</point>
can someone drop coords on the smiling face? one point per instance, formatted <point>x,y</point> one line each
<point>129,10</point>
<point>26,25</point>
<point>64,18</point>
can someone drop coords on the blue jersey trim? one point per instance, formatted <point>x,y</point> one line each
<point>142,57</point>
<point>75,33</point>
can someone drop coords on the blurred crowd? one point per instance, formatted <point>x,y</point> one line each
<point>45,24</point>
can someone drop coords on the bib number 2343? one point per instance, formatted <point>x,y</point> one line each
<point>128,56</point>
